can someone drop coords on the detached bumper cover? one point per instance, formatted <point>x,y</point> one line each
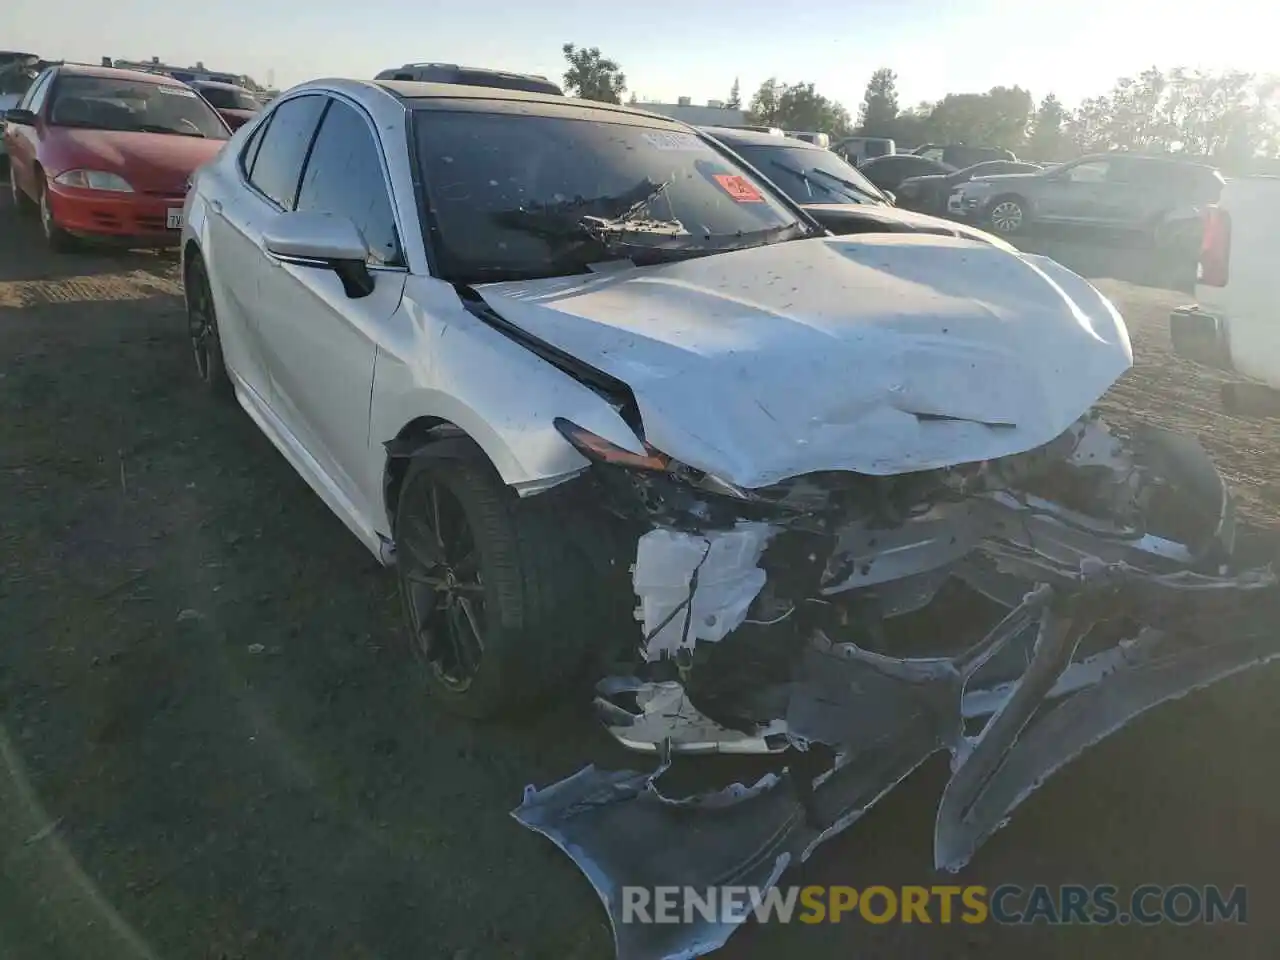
<point>885,717</point>
<point>1199,337</point>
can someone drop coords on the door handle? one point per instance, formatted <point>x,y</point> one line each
<point>217,205</point>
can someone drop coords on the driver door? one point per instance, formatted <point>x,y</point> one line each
<point>1075,193</point>
<point>320,343</point>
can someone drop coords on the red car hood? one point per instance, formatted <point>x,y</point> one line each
<point>150,162</point>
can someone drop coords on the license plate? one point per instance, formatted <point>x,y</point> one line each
<point>173,218</point>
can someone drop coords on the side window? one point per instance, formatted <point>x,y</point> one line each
<point>933,153</point>
<point>1091,171</point>
<point>344,177</point>
<point>278,162</point>
<point>39,92</point>
<point>250,152</point>
<point>1130,171</point>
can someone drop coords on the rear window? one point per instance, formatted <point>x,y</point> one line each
<point>108,103</point>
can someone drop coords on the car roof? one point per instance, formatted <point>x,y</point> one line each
<point>216,84</point>
<point>115,73</point>
<point>1150,158</point>
<point>452,96</point>
<point>755,138</point>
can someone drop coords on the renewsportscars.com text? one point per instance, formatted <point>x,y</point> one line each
<point>1066,904</point>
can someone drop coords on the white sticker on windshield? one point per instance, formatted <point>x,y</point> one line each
<point>177,91</point>
<point>674,141</point>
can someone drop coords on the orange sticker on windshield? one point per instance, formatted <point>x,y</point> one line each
<point>738,187</point>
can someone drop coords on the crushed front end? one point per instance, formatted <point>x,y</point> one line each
<point>1011,613</point>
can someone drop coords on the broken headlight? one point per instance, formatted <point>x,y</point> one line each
<point>599,450</point>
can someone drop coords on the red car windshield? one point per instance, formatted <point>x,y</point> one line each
<point>107,103</point>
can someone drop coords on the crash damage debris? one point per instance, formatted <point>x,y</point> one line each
<point>885,717</point>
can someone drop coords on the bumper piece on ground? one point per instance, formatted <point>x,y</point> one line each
<point>886,716</point>
<point>1199,337</point>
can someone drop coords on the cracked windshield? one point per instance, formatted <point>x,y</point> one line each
<point>570,483</point>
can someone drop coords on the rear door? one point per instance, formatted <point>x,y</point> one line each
<point>267,171</point>
<point>319,342</point>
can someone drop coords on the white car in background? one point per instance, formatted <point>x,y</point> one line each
<point>567,365</point>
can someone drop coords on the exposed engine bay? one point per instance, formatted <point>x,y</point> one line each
<point>1010,612</point>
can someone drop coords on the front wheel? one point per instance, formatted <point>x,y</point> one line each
<point>1008,216</point>
<point>57,239</point>
<point>496,596</point>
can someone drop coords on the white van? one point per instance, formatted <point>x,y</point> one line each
<point>810,136</point>
<point>857,149</point>
<point>1235,322</point>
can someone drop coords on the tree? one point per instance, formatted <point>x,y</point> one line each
<point>880,104</point>
<point>735,96</point>
<point>997,118</point>
<point>764,104</point>
<point>1048,140</point>
<point>591,77</point>
<point>797,107</point>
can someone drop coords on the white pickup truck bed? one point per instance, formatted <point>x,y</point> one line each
<point>1236,326</point>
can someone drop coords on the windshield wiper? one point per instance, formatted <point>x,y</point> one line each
<point>159,128</point>
<point>850,185</point>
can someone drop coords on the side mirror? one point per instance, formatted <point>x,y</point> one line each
<point>891,197</point>
<point>324,241</point>
<point>22,117</point>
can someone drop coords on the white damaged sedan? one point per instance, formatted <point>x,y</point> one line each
<point>608,401</point>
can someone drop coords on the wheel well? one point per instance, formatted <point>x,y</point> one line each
<point>413,436</point>
<point>1011,196</point>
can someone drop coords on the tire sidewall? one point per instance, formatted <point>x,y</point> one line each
<point>215,377</point>
<point>57,239</point>
<point>440,464</point>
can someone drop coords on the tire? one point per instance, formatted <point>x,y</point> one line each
<point>498,601</point>
<point>57,239</point>
<point>202,328</point>
<point>1007,216</point>
<point>21,202</point>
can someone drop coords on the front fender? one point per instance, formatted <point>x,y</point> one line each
<point>440,362</point>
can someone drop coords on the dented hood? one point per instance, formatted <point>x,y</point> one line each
<point>879,354</point>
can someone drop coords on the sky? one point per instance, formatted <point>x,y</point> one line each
<point>672,48</point>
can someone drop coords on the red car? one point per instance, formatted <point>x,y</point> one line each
<point>236,104</point>
<point>108,154</point>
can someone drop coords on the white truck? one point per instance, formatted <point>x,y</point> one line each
<point>1234,325</point>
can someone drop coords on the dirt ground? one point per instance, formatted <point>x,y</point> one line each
<point>213,748</point>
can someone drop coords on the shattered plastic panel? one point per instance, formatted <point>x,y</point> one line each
<point>885,716</point>
<point>696,586</point>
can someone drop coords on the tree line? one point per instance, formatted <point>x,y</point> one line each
<point>1231,118</point>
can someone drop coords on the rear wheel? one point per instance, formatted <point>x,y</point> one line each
<point>1008,215</point>
<point>496,598</point>
<point>58,240</point>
